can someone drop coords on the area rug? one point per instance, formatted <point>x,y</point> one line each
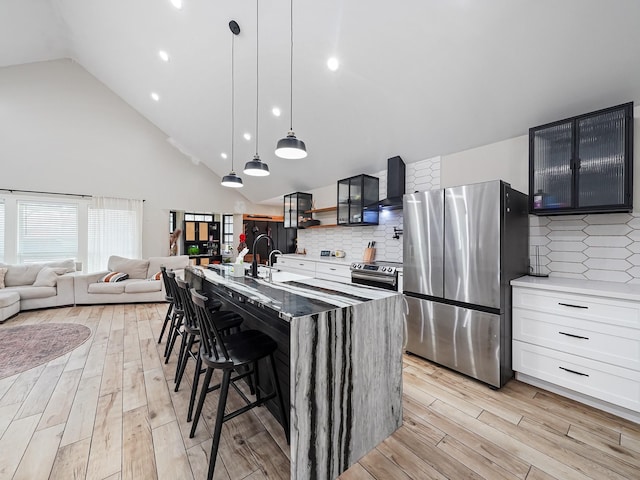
<point>26,346</point>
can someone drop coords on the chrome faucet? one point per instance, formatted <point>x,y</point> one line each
<point>254,263</point>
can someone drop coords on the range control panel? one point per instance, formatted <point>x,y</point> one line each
<point>374,269</point>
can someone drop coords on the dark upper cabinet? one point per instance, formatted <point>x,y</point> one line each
<point>583,164</point>
<point>358,200</point>
<point>295,204</point>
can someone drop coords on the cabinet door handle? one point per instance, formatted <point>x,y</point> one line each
<point>573,371</point>
<point>574,336</point>
<point>572,306</point>
<point>332,269</point>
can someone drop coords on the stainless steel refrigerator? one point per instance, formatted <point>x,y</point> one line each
<point>462,247</point>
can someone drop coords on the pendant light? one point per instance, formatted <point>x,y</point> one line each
<point>290,147</point>
<point>232,180</point>
<point>256,167</point>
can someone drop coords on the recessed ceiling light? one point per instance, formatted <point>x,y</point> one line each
<point>247,136</point>
<point>276,111</point>
<point>164,56</point>
<point>223,155</point>
<point>177,4</point>
<point>155,97</point>
<point>333,64</point>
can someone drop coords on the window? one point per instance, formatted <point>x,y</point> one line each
<point>172,221</point>
<point>115,228</point>
<point>227,229</point>
<point>47,231</point>
<point>1,231</point>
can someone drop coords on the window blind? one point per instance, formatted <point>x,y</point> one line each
<point>47,231</point>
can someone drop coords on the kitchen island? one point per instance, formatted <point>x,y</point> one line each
<point>339,360</point>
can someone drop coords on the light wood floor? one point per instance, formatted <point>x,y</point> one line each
<point>107,410</point>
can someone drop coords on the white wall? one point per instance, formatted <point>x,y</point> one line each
<point>61,130</point>
<point>507,160</point>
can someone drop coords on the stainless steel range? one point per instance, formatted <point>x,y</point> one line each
<point>376,274</point>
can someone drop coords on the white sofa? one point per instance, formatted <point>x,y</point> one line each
<point>36,285</point>
<point>136,289</point>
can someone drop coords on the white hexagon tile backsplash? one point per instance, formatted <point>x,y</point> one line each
<point>594,247</point>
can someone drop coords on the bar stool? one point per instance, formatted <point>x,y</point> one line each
<point>230,353</point>
<point>168,318</point>
<point>226,321</point>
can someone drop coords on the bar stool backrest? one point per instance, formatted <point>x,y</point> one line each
<point>167,288</point>
<point>187,303</point>
<point>177,301</point>
<point>212,339</point>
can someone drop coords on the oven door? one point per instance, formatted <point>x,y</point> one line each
<point>379,281</point>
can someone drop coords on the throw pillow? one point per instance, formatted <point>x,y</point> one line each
<point>157,276</point>
<point>2,272</point>
<point>48,276</point>
<point>112,277</point>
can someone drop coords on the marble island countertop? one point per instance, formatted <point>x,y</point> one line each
<point>291,295</point>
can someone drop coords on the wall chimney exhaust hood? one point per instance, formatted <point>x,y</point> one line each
<point>395,184</point>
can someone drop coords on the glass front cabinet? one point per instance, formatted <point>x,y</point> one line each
<point>583,164</point>
<point>358,200</point>
<point>295,204</point>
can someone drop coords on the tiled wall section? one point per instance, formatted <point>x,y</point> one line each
<point>423,175</point>
<point>595,247</point>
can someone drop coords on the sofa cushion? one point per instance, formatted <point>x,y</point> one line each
<point>170,263</point>
<point>113,277</point>
<point>136,268</point>
<point>3,271</point>
<point>48,276</point>
<point>8,298</point>
<point>28,292</point>
<point>143,287</point>
<point>25,274</point>
<point>117,287</point>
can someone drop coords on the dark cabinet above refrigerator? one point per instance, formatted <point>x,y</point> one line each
<point>583,164</point>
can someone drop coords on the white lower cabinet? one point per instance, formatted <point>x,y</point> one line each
<point>581,336</point>
<point>339,272</point>
<point>293,265</point>
<point>330,271</point>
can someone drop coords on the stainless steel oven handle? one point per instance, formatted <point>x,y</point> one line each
<point>374,278</point>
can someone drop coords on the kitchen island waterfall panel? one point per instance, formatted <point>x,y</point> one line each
<point>344,362</point>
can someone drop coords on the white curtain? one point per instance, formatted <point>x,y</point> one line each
<point>115,228</point>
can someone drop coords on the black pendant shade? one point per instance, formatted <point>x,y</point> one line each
<point>232,180</point>
<point>290,147</point>
<point>256,167</point>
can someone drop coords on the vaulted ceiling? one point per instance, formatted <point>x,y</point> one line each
<point>417,78</point>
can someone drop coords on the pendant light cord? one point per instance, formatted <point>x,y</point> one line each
<point>257,76</point>
<point>233,109</point>
<point>291,67</point>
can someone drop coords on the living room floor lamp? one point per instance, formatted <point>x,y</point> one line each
<point>232,180</point>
